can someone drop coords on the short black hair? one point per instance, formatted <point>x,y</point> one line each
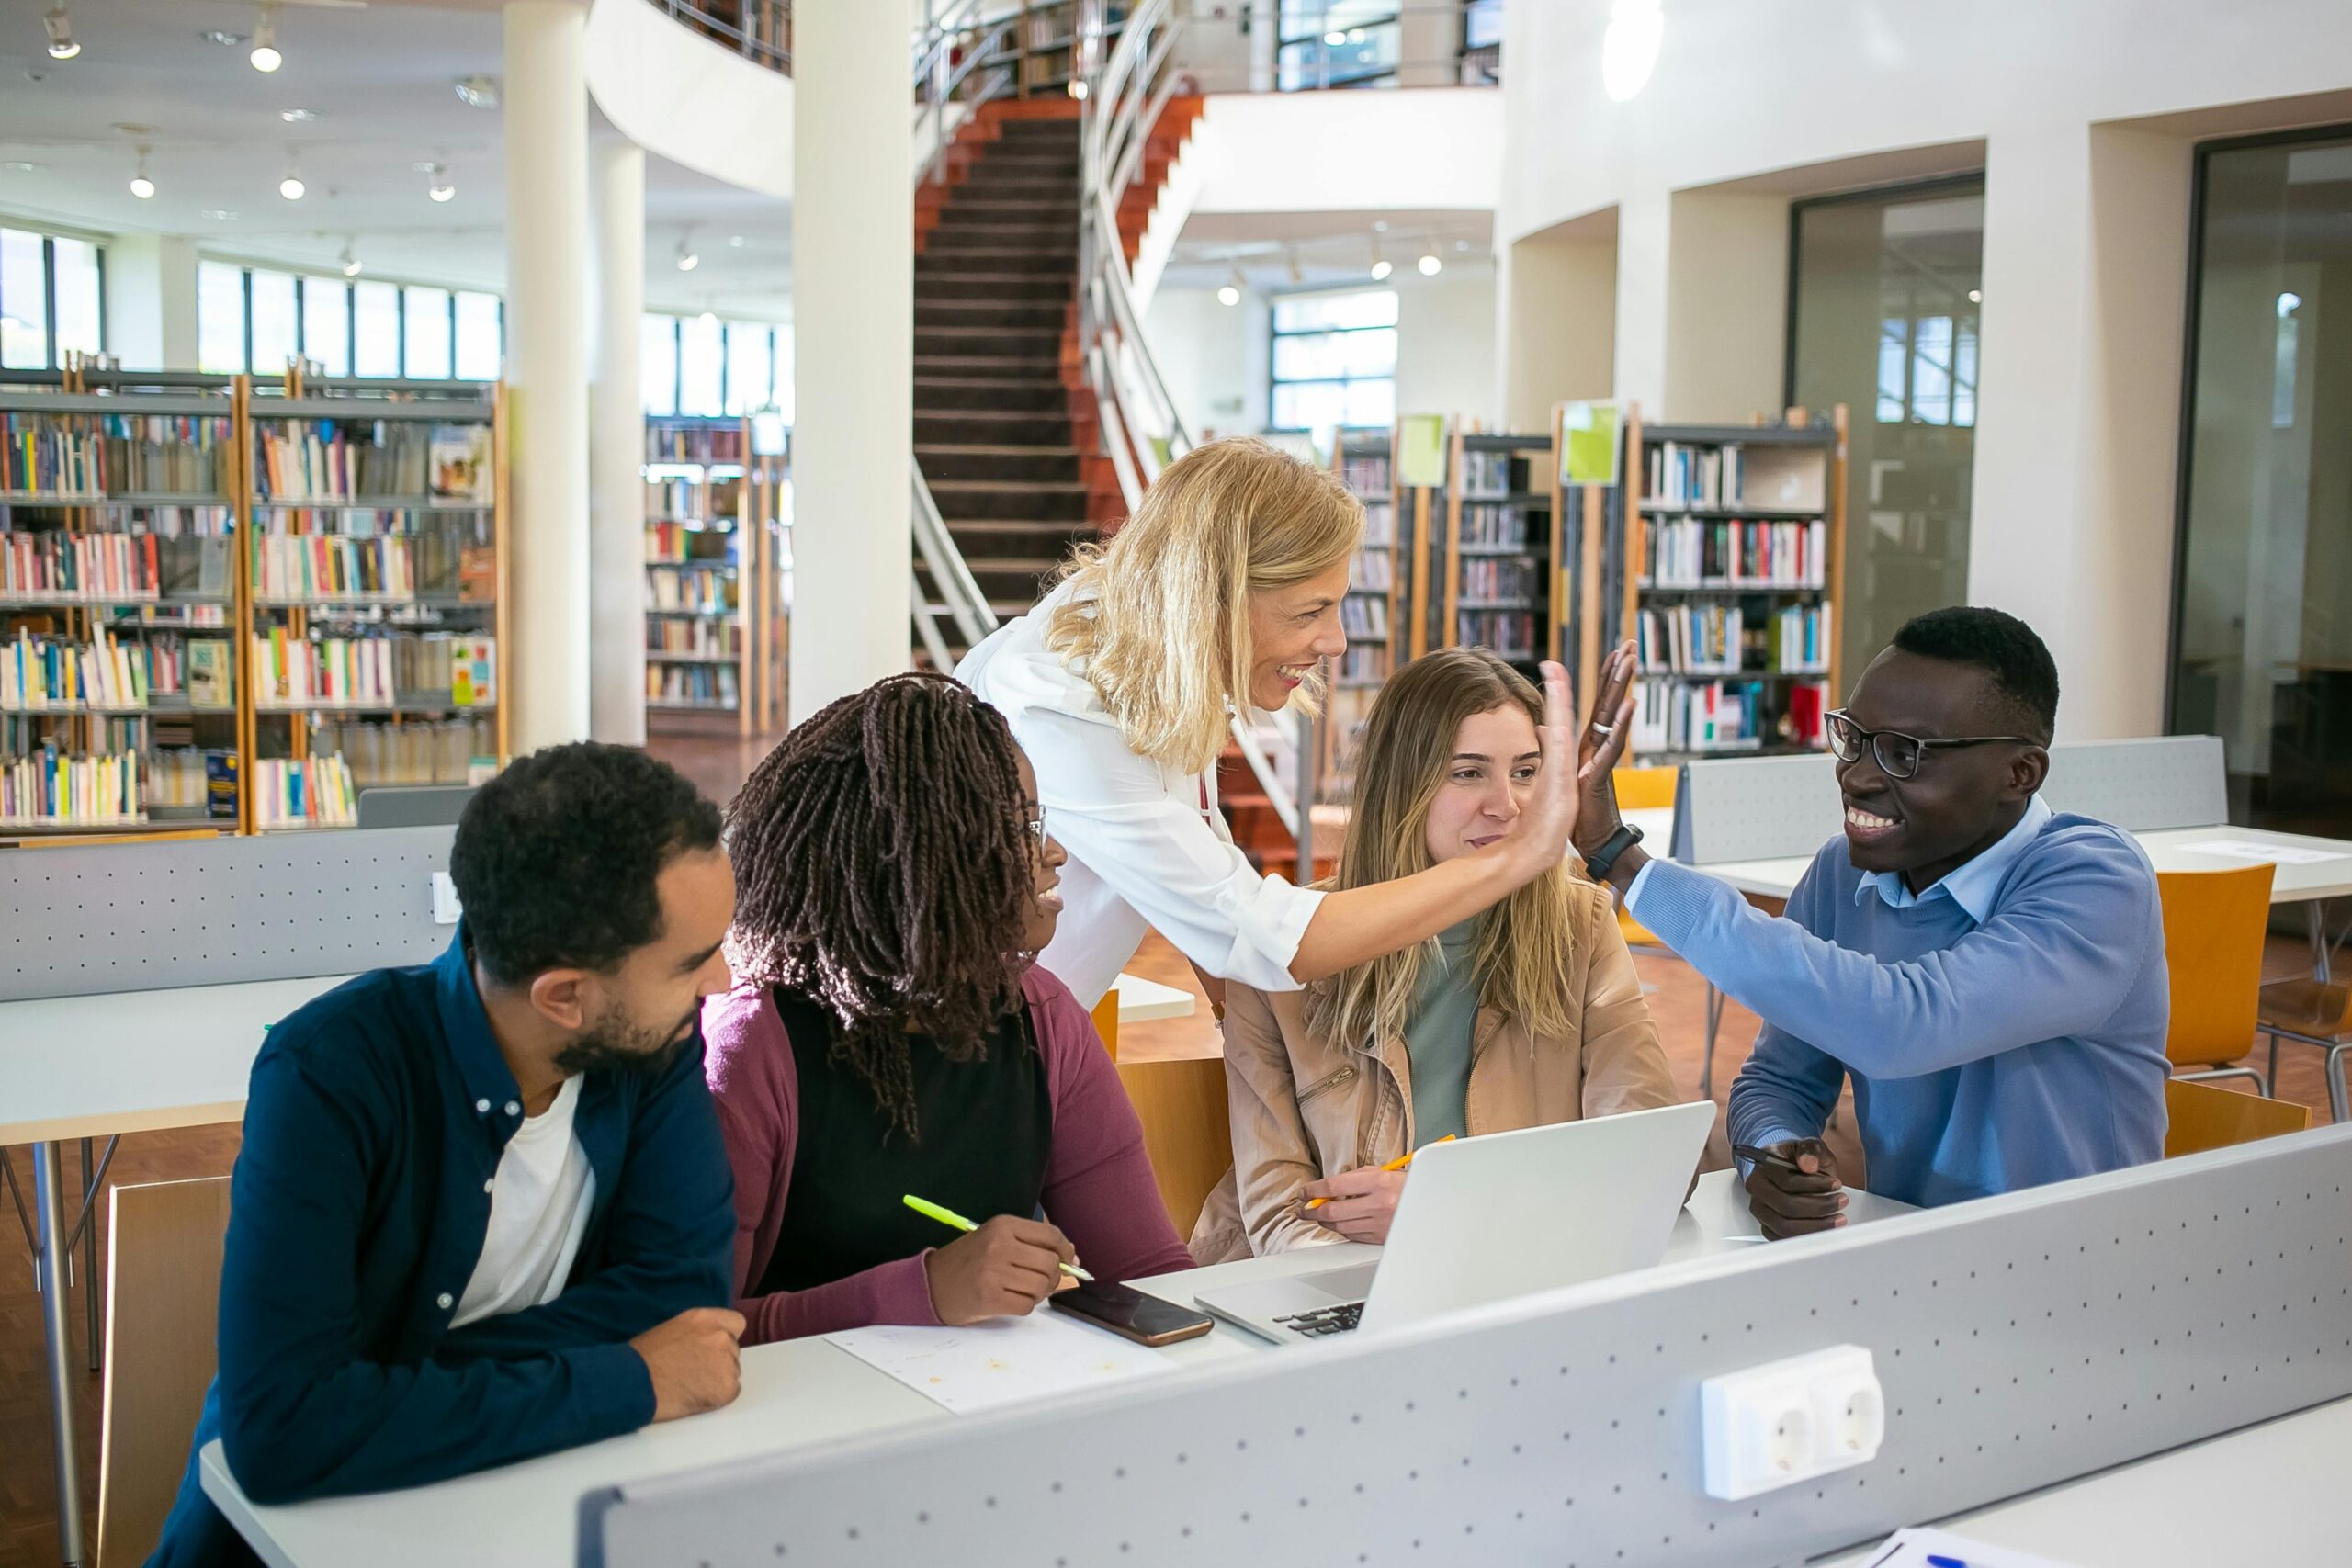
<point>1999,644</point>
<point>556,858</point>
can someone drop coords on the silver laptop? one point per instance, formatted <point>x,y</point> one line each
<point>1491,1218</point>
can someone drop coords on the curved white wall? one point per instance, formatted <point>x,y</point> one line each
<point>688,98</point>
<point>2084,115</point>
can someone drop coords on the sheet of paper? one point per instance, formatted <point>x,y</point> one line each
<point>2254,849</point>
<point>1588,456</point>
<point>1003,1361</point>
<point>1939,1548</point>
<point>1421,450</point>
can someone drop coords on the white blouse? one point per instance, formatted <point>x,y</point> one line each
<point>1147,846</point>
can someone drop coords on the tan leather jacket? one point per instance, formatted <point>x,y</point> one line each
<point>1303,1107</point>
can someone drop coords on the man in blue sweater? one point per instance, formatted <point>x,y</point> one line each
<point>1989,973</point>
<point>481,1210</point>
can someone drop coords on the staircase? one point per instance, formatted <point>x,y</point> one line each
<point>1004,424</point>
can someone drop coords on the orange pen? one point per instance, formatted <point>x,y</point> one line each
<point>1399,1163</point>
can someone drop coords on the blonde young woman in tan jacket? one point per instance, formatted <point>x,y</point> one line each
<point>1528,1014</point>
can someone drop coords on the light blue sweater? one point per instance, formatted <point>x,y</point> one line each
<point>2017,1045</point>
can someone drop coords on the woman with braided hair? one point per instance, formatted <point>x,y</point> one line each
<point>889,1033</point>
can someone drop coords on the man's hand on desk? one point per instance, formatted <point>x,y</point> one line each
<point>695,1361</point>
<point>1794,1190</point>
<point>1363,1202</point>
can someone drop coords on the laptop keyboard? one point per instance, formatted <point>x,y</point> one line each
<point>1324,1320</point>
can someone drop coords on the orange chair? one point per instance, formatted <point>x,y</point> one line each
<point>1106,1021</point>
<point>2215,925</point>
<point>1644,789</point>
<point>2203,1117</point>
<point>2312,1013</point>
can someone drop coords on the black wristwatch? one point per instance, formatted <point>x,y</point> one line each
<point>1596,863</point>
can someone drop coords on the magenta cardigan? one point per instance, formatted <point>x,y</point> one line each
<point>1099,1186</point>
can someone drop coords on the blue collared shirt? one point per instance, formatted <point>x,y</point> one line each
<point>374,1126</point>
<point>2003,1029</point>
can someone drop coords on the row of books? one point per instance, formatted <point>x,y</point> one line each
<point>375,671</point>
<point>1374,572</point>
<point>709,640</point>
<point>701,591</point>
<point>110,568</point>
<point>328,566</point>
<point>674,544</point>
<point>48,789</point>
<point>1727,716</point>
<point>1500,577</point>
<point>445,751</point>
<point>715,500</point>
<point>84,454</point>
<point>304,792</point>
<point>1366,475</point>
<point>184,779</point>
<point>1364,662</point>
<point>1491,525</point>
<point>1694,476</point>
<point>1486,475</point>
<point>45,674</point>
<point>1511,633</point>
<point>703,686</point>
<point>322,461</point>
<point>694,443</point>
<point>1689,553</point>
<point>1711,639</point>
<point>1363,618</point>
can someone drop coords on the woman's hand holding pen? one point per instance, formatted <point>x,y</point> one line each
<point>1359,1205</point>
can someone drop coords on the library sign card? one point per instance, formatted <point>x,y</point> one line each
<point>1589,450</point>
<point>1420,451</point>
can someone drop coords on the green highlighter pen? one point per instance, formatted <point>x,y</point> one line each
<point>950,1217</point>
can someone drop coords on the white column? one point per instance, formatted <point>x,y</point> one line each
<point>1726,306</point>
<point>852,260</point>
<point>1557,332</point>
<point>150,301</point>
<point>1645,229</point>
<point>547,331</point>
<point>616,491</point>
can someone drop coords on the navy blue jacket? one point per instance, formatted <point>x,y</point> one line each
<point>373,1127</point>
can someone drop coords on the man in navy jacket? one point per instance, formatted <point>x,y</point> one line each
<point>481,1211</point>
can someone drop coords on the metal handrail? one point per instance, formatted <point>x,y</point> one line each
<point>936,547</point>
<point>774,51</point>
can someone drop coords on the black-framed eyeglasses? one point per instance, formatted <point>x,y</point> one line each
<point>1898,754</point>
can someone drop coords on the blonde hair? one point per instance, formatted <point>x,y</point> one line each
<point>1519,954</point>
<point>1160,616</point>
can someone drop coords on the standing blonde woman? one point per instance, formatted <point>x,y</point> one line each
<point>1221,593</point>
<point>1525,1014</point>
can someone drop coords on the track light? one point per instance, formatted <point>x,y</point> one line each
<point>291,187</point>
<point>265,56</point>
<point>140,185</point>
<point>352,265</point>
<point>1429,264</point>
<point>60,33</point>
<point>1231,293</point>
<point>688,258</point>
<point>1381,266</point>
<point>1290,258</point>
<point>440,189</point>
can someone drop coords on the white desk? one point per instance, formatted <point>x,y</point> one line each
<point>2208,1504</point>
<point>1146,1002</point>
<point>800,1393</point>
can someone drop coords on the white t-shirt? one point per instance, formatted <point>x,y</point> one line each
<point>538,1210</point>
<point>1148,846</point>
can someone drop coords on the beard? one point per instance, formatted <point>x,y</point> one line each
<point>616,1043</point>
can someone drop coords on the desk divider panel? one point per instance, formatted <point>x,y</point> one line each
<point>1743,808</point>
<point>2021,1341</point>
<point>2142,786</point>
<point>108,917</point>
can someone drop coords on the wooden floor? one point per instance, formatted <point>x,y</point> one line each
<point>27,1514</point>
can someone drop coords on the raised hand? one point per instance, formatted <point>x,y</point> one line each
<point>1602,746</point>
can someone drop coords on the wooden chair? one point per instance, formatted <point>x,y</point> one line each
<point>2205,1118</point>
<point>2311,1012</point>
<point>163,1301</point>
<point>1644,789</point>
<point>1182,1107</point>
<point>2216,923</point>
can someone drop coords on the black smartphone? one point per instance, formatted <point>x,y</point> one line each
<point>1131,1315</point>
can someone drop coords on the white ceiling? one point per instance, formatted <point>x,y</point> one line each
<point>381,80</point>
<point>1327,249</point>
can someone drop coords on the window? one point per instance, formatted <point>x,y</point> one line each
<point>2262,597</point>
<point>1883,296</point>
<point>276,324</point>
<point>219,319</point>
<point>480,336</point>
<point>51,294</point>
<point>1338,43</point>
<point>749,364</point>
<point>702,350</point>
<point>657,358</point>
<point>425,332</point>
<point>375,329</point>
<point>326,325</point>
<point>1335,360</point>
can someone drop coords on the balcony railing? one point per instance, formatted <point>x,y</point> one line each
<point>758,30</point>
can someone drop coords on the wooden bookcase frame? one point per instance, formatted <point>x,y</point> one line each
<point>758,683</point>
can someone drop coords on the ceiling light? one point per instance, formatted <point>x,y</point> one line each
<point>265,56</point>
<point>440,189</point>
<point>1291,258</point>
<point>688,258</point>
<point>1231,293</point>
<point>477,92</point>
<point>736,241</point>
<point>291,187</point>
<point>1380,225</point>
<point>18,166</point>
<point>1429,264</point>
<point>1461,244</point>
<point>352,265</point>
<point>709,318</point>
<point>226,40</point>
<point>1381,267</point>
<point>1078,89</point>
<point>140,185</point>
<point>2289,303</point>
<point>1629,48</point>
<point>1976,295</point>
<point>218,214</point>
<point>297,117</point>
<point>60,33</point>
<point>1334,39</point>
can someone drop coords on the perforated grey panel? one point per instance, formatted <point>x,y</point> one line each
<point>1741,808</point>
<point>2144,787</point>
<point>214,911</point>
<point>2021,1341</point>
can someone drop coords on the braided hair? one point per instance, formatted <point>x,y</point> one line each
<point>883,868</point>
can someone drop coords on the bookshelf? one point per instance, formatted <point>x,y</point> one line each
<point>375,574</point>
<point>1727,574</point>
<point>1363,459</point>
<point>119,687</point>
<point>717,560</point>
<point>1419,520</point>
<point>1501,547</point>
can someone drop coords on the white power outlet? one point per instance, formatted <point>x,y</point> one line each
<point>446,910</point>
<point>1791,1420</point>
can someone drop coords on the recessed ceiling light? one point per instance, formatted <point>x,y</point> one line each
<point>297,117</point>
<point>18,166</point>
<point>218,214</point>
<point>736,241</point>
<point>225,39</point>
<point>477,92</point>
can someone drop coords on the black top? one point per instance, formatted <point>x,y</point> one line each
<point>984,1132</point>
